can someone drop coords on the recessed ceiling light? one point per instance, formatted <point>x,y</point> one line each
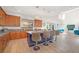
<point>48,11</point>
<point>18,10</point>
<point>37,6</point>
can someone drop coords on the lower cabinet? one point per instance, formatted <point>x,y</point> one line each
<point>18,35</point>
<point>3,42</point>
<point>23,35</point>
<point>10,36</point>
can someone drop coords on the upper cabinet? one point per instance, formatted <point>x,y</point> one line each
<point>2,17</point>
<point>2,13</point>
<point>2,21</point>
<point>8,20</point>
<point>37,23</point>
<point>12,20</point>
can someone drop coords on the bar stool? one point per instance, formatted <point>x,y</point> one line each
<point>52,34</point>
<point>46,36</point>
<point>56,33</point>
<point>41,41</point>
<point>31,43</point>
<point>36,38</point>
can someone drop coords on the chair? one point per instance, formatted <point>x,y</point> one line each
<point>61,30</point>
<point>76,32</point>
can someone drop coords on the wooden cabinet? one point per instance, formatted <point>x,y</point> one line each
<point>2,17</point>
<point>8,20</point>
<point>3,41</point>
<point>18,35</point>
<point>1,44</point>
<point>2,13</point>
<point>12,35</point>
<point>23,35</point>
<point>12,20</point>
<point>37,23</point>
<point>2,21</point>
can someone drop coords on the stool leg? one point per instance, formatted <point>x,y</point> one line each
<point>55,37</point>
<point>45,43</point>
<point>51,40</point>
<point>36,48</point>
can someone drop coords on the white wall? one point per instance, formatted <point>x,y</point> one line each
<point>70,17</point>
<point>54,20</point>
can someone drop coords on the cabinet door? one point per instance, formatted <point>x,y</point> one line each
<point>1,44</point>
<point>2,13</point>
<point>17,21</point>
<point>38,23</point>
<point>2,21</point>
<point>7,37</point>
<point>9,21</point>
<point>23,34</point>
<point>5,40</point>
<point>12,35</point>
<point>12,21</point>
<point>15,35</point>
<point>18,35</point>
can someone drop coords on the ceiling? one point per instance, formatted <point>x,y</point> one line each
<point>42,12</point>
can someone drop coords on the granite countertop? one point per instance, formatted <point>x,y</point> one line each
<point>19,30</point>
<point>10,30</point>
<point>3,33</point>
<point>34,31</point>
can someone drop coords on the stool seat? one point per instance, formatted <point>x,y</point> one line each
<point>36,37</point>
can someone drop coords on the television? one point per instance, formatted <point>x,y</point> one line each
<point>70,27</point>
